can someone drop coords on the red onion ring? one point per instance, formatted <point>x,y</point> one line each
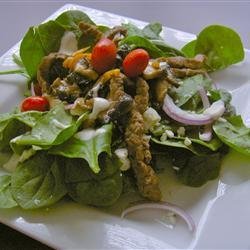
<point>204,98</point>
<point>162,206</point>
<point>208,116</point>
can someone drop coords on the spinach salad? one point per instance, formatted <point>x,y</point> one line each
<point>108,108</point>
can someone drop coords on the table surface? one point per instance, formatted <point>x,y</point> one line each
<point>190,16</point>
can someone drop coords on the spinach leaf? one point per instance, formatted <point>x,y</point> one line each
<point>6,199</point>
<point>14,124</point>
<point>152,31</point>
<point>102,189</point>
<point>71,18</point>
<point>189,49</point>
<point>150,39</point>
<point>133,30</point>
<point>196,170</point>
<point>221,45</point>
<point>87,144</point>
<point>179,143</point>
<point>234,133</point>
<point>167,49</point>
<point>141,42</point>
<point>53,128</point>
<point>190,87</point>
<point>38,182</point>
<point>38,42</point>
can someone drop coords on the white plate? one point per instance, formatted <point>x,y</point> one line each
<point>220,208</point>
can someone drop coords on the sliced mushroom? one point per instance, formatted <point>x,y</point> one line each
<point>154,70</point>
<point>84,68</point>
<point>65,91</point>
<point>50,69</point>
<point>116,34</point>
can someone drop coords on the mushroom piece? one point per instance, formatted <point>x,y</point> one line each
<point>120,108</point>
<point>84,68</point>
<point>65,91</point>
<point>50,69</point>
<point>116,34</point>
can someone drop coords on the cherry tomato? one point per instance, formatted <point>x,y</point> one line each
<point>38,103</point>
<point>135,62</point>
<point>103,55</point>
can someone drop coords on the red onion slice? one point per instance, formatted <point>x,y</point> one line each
<point>208,116</point>
<point>204,98</point>
<point>162,206</point>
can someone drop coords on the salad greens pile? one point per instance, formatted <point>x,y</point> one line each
<point>49,155</point>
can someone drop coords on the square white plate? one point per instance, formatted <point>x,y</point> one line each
<point>220,208</point>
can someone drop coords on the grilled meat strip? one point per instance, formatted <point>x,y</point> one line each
<point>138,145</point>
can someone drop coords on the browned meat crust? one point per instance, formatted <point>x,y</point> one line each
<point>181,62</point>
<point>187,72</point>
<point>138,146</point>
<point>91,30</point>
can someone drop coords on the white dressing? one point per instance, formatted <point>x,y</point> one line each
<point>100,104</point>
<point>89,133</point>
<point>68,43</point>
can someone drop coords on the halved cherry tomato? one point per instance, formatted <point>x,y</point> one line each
<point>103,55</point>
<point>135,62</point>
<point>38,103</point>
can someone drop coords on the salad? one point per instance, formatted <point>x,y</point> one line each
<point>109,108</point>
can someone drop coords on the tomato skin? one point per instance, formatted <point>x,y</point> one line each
<point>38,103</point>
<point>103,55</point>
<point>135,62</point>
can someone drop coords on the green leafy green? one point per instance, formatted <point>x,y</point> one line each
<point>221,45</point>
<point>38,42</point>
<point>151,35</point>
<point>167,49</point>
<point>152,31</point>
<point>102,189</point>
<point>6,199</point>
<point>189,49</point>
<point>71,18</point>
<point>196,170</point>
<point>53,128</point>
<point>87,144</point>
<point>14,124</point>
<point>38,182</point>
<point>179,143</point>
<point>141,42</point>
<point>133,30</point>
<point>234,133</point>
<point>190,87</point>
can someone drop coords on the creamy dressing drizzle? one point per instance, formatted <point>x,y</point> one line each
<point>100,104</point>
<point>89,133</point>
